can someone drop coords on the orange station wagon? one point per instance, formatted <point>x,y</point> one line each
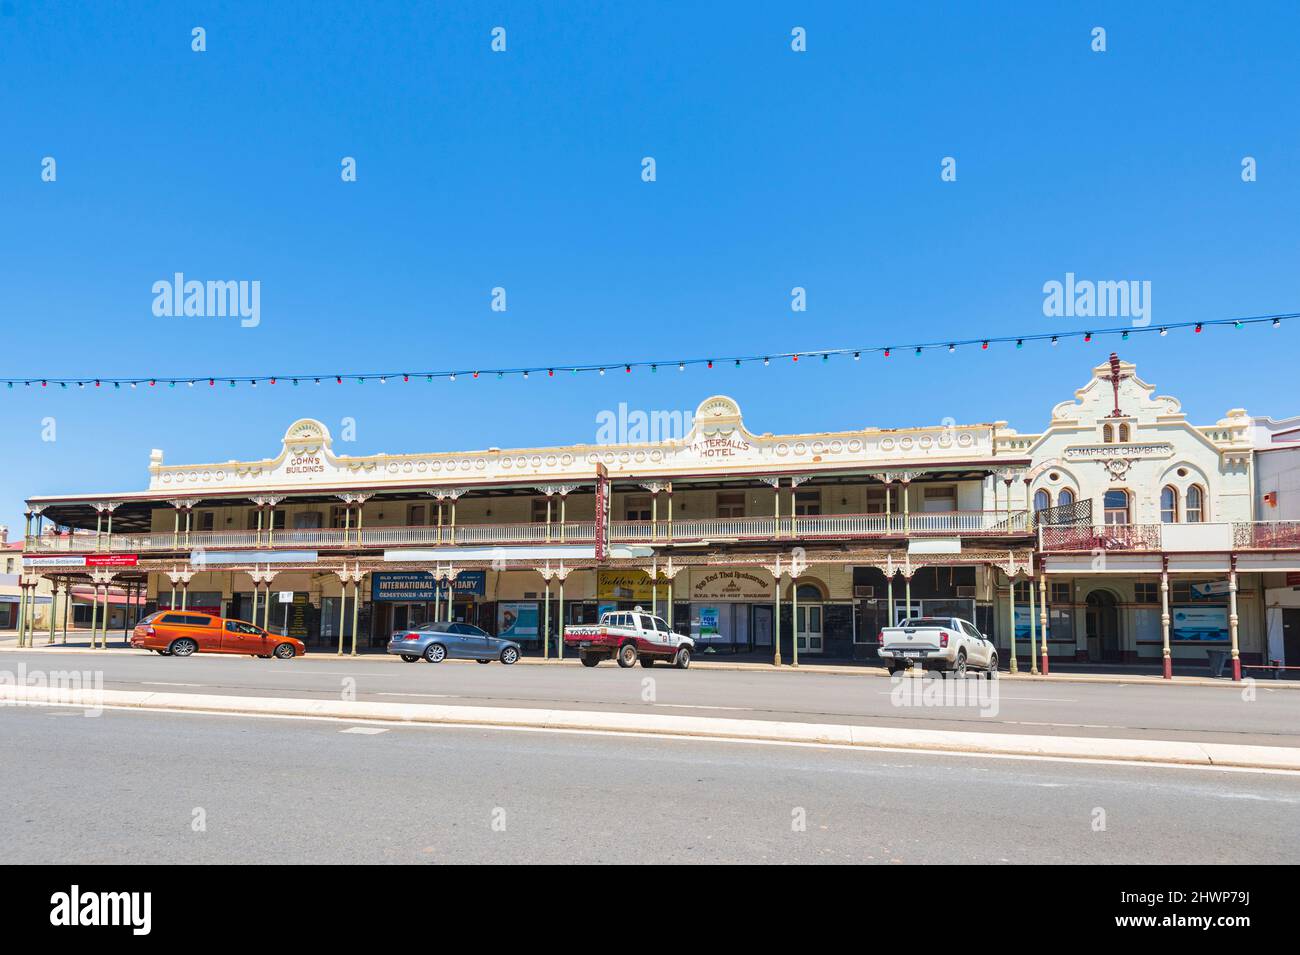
<point>178,633</point>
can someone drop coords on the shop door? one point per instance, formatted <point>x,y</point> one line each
<point>762,626</point>
<point>1291,637</point>
<point>903,612</point>
<point>809,632</point>
<point>401,616</point>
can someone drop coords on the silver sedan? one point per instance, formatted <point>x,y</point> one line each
<point>451,641</point>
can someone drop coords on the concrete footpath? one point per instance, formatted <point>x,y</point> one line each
<point>1159,752</point>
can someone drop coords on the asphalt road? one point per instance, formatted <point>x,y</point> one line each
<point>1208,714</point>
<point>131,787</point>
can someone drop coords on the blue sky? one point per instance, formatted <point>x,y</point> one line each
<point>522,170</point>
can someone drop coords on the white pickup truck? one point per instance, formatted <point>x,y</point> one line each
<point>946,644</point>
<point>628,636</point>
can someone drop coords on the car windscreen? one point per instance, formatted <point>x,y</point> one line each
<point>928,622</point>
<point>438,626</point>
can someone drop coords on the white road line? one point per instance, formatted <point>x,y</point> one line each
<point>432,696</point>
<point>366,730</point>
<point>158,683</point>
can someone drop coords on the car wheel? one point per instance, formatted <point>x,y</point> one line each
<point>647,662</point>
<point>410,658</point>
<point>588,659</point>
<point>992,672</point>
<point>435,653</point>
<point>285,651</point>
<point>627,655</point>
<point>183,647</point>
<point>959,668</point>
<point>682,659</point>
<point>509,655</point>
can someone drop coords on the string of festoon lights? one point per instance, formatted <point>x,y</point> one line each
<point>815,355</point>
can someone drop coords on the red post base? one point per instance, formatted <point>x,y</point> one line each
<point>1236,669</point>
<point>1169,668</point>
<point>1044,667</point>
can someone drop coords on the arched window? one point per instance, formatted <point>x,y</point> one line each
<point>1107,434</point>
<point>1042,500</point>
<point>1115,504</point>
<point>1065,498</point>
<point>1195,504</point>
<point>1123,433</point>
<point>809,593</point>
<point>1168,505</point>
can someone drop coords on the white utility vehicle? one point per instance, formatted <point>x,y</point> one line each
<point>628,636</point>
<point>946,644</point>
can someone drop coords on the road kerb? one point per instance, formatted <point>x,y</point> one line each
<point>1111,679</point>
<point>1004,744</point>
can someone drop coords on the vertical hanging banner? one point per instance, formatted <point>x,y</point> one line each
<point>602,511</point>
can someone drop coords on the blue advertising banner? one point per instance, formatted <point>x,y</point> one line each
<point>517,621</point>
<point>417,586</point>
<point>420,586</point>
<point>1201,624</point>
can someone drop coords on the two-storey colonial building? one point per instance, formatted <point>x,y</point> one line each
<point>780,546</point>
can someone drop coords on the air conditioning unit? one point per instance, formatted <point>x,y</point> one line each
<point>967,591</point>
<point>864,590</point>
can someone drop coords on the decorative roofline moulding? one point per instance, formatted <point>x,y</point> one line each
<point>717,442</point>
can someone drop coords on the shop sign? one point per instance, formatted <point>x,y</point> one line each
<point>470,583</point>
<point>517,621</point>
<point>719,446</point>
<point>112,560</point>
<point>729,584</point>
<point>418,586</point>
<point>54,561</point>
<point>1200,624</point>
<point>708,623</point>
<point>297,625</point>
<point>602,511</point>
<point>1101,452</point>
<point>623,585</point>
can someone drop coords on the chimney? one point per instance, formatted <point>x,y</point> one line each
<point>4,534</point>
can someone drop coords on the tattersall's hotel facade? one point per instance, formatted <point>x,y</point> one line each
<point>1122,532</point>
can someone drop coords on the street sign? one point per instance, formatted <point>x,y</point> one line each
<point>286,596</point>
<point>602,511</point>
<point>1215,588</point>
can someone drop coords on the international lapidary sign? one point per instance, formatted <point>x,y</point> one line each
<point>420,586</point>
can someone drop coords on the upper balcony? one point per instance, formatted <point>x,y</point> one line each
<point>1206,537</point>
<point>721,530</point>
